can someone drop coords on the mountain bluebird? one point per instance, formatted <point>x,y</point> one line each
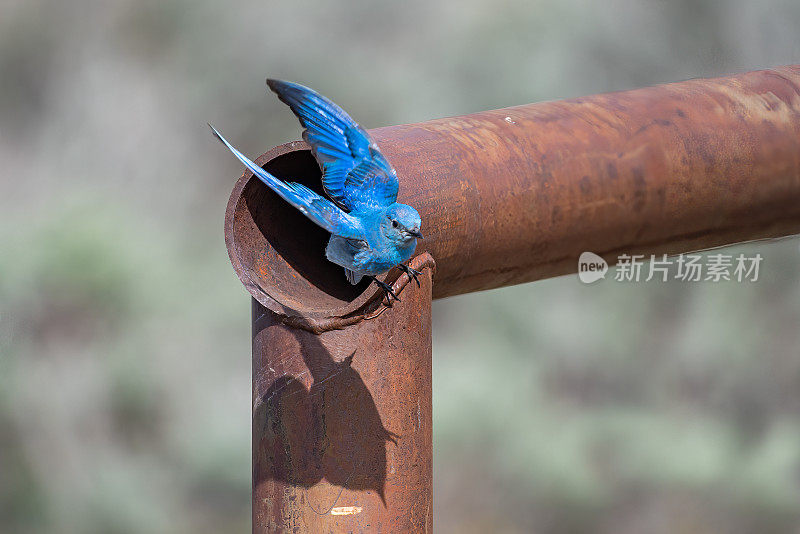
<point>370,231</point>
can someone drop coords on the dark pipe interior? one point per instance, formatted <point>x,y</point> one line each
<point>282,249</point>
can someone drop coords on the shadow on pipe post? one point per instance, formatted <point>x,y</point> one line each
<point>342,390</point>
<point>342,407</point>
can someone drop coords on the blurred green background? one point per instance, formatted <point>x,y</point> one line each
<point>558,407</point>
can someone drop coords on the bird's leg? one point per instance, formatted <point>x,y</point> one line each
<point>412,273</point>
<point>387,289</point>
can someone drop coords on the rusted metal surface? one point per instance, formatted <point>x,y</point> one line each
<point>514,195</point>
<point>342,419</point>
<point>506,196</point>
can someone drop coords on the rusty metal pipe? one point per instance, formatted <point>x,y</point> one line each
<point>506,196</point>
<point>342,419</point>
<point>342,404</point>
<point>516,194</point>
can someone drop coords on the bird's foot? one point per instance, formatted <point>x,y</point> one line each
<point>413,274</point>
<point>387,290</point>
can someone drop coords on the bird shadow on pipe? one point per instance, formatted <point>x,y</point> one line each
<point>332,430</point>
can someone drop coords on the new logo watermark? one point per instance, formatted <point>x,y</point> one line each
<point>683,267</point>
<point>591,267</point>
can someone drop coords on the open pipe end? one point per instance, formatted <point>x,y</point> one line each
<point>279,254</point>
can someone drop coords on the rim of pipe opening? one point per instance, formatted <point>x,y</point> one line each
<point>279,254</point>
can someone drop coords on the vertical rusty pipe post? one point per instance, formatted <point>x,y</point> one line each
<point>341,384</point>
<point>342,422</point>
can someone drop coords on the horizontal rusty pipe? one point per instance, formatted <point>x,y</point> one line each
<point>516,194</point>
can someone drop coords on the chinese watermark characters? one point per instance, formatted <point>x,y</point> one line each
<point>683,267</point>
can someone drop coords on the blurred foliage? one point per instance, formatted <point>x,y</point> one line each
<point>124,352</point>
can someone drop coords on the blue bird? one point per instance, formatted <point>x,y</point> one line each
<point>370,231</point>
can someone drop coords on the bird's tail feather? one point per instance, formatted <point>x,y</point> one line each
<point>320,210</point>
<point>277,185</point>
<point>352,276</point>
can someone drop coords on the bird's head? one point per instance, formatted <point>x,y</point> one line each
<point>402,223</point>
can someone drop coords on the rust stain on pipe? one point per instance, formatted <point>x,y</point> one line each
<point>516,194</point>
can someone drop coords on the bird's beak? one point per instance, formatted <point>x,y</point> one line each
<point>416,234</point>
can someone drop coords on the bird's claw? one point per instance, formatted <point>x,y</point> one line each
<point>387,289</point>
<point>413,274</point>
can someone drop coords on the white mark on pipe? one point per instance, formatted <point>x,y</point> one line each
<point>346,510</point>
<point>509,120</point>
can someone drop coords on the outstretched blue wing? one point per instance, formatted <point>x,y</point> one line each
<point>354,172</point>
<point>320,210</point>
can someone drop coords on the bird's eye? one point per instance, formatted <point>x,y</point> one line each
<point>394,223</point>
